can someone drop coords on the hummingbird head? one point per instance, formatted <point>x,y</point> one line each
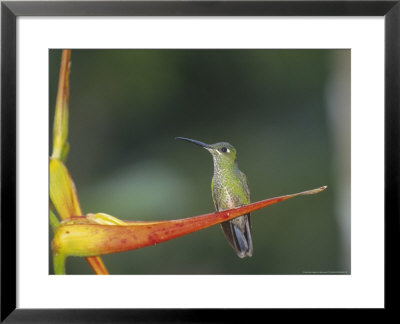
<point>223,153</point>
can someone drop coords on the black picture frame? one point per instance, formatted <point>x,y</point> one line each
<point>10,10</point>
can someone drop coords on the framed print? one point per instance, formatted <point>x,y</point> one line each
<point>127,98</point>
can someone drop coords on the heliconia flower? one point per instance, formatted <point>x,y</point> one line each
<point>97,234</point>
<point>67,200</point>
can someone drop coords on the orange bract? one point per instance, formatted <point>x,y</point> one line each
<point>86,238</point>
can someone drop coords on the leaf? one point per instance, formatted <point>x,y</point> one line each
<point>96,239</point>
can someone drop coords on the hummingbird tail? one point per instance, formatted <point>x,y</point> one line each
<point>241,242</point>
<point>238,235</point>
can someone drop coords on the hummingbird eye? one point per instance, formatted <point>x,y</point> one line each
<point>224,149</point>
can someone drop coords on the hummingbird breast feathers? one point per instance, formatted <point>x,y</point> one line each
<point>229,189</point>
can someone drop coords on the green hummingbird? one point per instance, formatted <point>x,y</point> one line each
<point>229,190</point>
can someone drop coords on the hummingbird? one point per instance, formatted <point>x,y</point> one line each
<point>229,189</point>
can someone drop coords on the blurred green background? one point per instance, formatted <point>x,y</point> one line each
<point>287,112</point>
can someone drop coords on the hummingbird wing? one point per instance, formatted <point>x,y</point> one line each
<point>213,195</point>
<point>227,227</point>
<point>245,184</point>
<point>243,180</point>
<point>247,229</point>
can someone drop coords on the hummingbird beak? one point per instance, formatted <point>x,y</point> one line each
<point>206,146</point>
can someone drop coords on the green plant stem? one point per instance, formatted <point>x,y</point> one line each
<point>59,263</point>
